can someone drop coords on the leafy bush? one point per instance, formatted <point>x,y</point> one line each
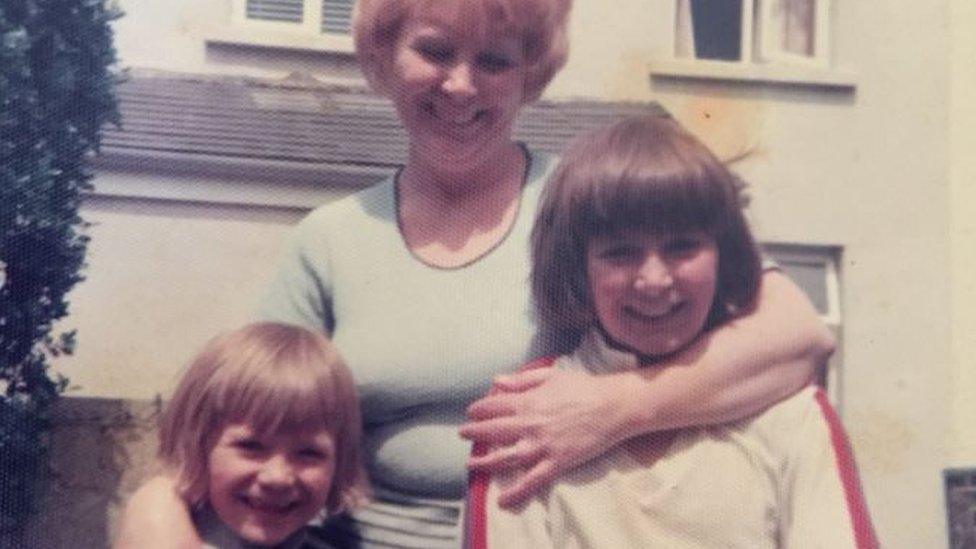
<point>56,92</point>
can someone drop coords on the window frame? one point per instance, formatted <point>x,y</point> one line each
<point>674,61</point>
<point>829,259</point>
<point>306,36</point>
<point>311,24</point>
<point>768,52</point>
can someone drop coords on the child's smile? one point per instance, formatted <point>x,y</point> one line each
<point>652,292</point>
<point>266,487</point>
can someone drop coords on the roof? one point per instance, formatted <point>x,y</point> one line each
<point>257,127</point>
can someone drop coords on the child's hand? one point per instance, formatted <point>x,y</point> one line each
<point>544,422</point>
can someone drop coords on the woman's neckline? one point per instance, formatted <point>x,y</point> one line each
<point>503,238</point>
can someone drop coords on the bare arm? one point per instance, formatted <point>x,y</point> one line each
<point>737,369</point>
<point>156,518</point>
<point>549,422</point>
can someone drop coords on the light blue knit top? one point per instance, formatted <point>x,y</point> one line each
<point>422,342</point>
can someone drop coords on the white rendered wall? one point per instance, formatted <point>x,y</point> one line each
<point>171,35</point>
<point>166,275</point>
<point>868,170</point>
<point>962,115</point>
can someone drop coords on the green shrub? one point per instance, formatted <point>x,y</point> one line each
<point>56,92</point>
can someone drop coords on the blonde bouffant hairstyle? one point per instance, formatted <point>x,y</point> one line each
<point>539,24</point>
<point>273,377</point>
<point>639,174</point>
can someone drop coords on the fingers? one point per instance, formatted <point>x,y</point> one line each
<point>491,406</point>
<point>520,454</point>
<point>505,398</point>
<point>503,431</point>
<point>529,484</point>
<point>522,381</point>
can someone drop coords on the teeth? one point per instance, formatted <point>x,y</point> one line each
<point>655,314</point>
<point>459,119</point>
<point>272,506</point>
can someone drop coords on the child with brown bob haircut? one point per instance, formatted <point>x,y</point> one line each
<point>641,246</point>
<point>261,436</point>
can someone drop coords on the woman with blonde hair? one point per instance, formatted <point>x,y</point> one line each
<point>422,281</point>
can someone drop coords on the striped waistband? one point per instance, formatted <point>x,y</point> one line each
<point>393,520</point>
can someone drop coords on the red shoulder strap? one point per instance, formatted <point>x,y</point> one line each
<point>542,362</point>
<point>476,519</point>
<point>856,508</point>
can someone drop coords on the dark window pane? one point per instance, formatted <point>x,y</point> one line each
<point>717,28</point>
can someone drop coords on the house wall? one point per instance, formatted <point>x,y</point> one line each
<point>866,169</point>
<point>962,181</point>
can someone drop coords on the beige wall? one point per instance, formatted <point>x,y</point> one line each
<point>162,279</point>
<point>170,35</point>
<point>962,132</point>
<point>867,169</point>
<point>167,274</point>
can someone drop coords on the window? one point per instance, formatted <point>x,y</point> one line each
<point>778,32</point>
<point>309,17</point>
<point>815,270</point>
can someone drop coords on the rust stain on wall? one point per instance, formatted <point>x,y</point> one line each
<point>630,81</point>
<point>881,441</point>
<point>731,127</point>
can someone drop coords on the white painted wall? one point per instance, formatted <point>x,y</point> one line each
<point>962,135</point>
<point>868,170</point>
<point>165,275</point>
<point>171,35</point>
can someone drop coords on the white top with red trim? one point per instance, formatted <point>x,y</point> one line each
<point>782,479</point>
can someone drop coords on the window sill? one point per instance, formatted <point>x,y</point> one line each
<point>281,40</point>
<point>764,74</point>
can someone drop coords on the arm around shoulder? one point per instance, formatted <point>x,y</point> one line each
<point>786,314</point>
<point>741,367</point>
<point>156,518</point>
<point>562,419</point>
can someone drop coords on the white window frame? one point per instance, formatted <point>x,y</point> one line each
<point>304,36</point>
<point>824,257</point>
<point>757,45</point>
<point>827,258</point>
<point>761,59</point>
<point>769,50</point>
<point>311,19</point>
<point>686,26</point>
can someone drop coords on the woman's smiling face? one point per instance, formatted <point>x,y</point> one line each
<point>456,88</point>
<point>652,292</point>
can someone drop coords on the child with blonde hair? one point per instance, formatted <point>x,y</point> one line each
<point>640,246</point>
<point>261,436</point>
